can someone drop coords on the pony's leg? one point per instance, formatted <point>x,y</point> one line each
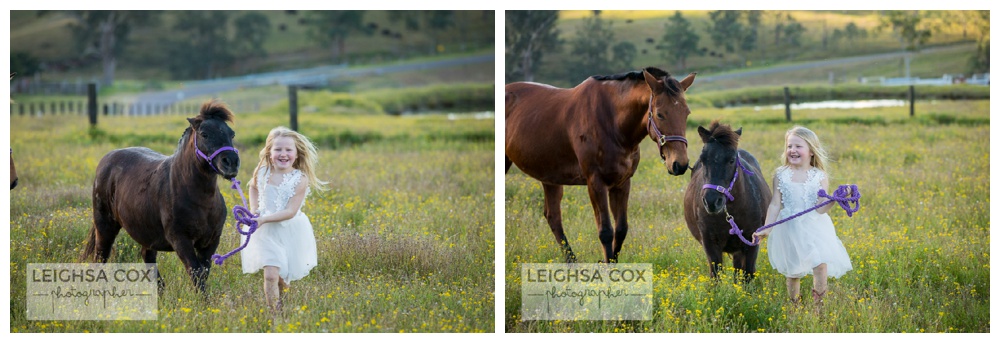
<point>618,197</point>
<point>149,257</point>
<point>192,263</point>
<point>553,214</point>
<point>744,263</point>
<point>599,201</point>
<point>714,254</point>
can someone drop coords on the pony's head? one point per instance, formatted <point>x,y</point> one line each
<point>668,113</point>
<point>719,160</point>
<point>212,133</point>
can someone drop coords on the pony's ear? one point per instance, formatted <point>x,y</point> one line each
<point>195,122</point>
<point>705,135</point>
<point>739,131</point>
<point>655,84</point>
<point>687,81</point>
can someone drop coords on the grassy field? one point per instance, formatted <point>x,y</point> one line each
<point>405,234</point>
<point>920,245</point>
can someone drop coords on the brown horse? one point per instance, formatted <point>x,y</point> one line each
<point>726,184</point>
<point>590,135</point>
<point>168,203</point>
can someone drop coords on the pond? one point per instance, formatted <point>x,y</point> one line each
<point>842,104</point>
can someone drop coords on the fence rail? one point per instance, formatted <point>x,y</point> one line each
<point>38,109</point>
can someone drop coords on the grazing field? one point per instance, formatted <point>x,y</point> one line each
<point>405,234</point>
<point>920,245</point>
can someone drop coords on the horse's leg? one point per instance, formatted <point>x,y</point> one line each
<point>599,201</point>
<point>149,257</point>
<point>192,263</point>
<point>508,164</point>
<point>205,260</point>
<point>618,197</point>
<point>750,264</point>
<point>714,254</point>
<point>553,214</point>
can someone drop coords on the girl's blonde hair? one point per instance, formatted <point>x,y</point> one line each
<point>306,158</point>
<point>819,158</point>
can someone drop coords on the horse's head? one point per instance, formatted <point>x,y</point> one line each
<point>719,159</point>
<point>213,139</point>
<point>668,113</point>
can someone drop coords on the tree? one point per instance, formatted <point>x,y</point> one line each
<point>729,32</point>
<point>332,28</point>
<point>530,34</point>
<point>624,53</point>
<point>107,32</point>
<point>908,26</point>
<point>980,62</point>
<point>203,45</point>
<point>252,29</point>
<point>911,30</point>
<point>679,40</point>
<point>591,49</point>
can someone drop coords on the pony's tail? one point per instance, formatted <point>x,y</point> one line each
<point>90,246</point>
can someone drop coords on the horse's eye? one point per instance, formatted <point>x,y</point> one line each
<point>204,135</point>
<point>659,115</point>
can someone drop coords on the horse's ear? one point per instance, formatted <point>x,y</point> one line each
<point>739,131</point>
<point>705,135</point>
<point>195,122</point>
<point>687,81</point>
<point>655,84</point>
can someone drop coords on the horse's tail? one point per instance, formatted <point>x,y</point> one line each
<point>90,246</point>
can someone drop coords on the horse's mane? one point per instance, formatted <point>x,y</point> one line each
<point>672,85</point>
<point>723,134</point>
<point>215,109</point>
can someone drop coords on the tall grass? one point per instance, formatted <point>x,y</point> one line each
<point>920,245</point>
<point>405,233</point>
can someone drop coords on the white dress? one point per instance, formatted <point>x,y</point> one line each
<point>798,245</point>
<point>290,244</point>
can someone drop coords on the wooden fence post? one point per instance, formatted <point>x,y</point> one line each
<point>293,107</point>
<point>92,103</point>
<point>788,105</point>
<point>913,97</point>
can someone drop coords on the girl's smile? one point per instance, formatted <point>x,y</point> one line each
<point>797,152</point>
<point>283,153</point>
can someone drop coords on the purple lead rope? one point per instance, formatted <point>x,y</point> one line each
<point>839,196</point>
<point>243,216</point>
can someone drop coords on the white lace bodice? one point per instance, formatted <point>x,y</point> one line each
<point>798,196</point>
<point>271,198</point>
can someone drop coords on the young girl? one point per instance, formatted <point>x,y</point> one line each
<point>807,244</point>
<point>283,245</point>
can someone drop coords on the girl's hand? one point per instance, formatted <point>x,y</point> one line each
<point>258,220</point>
<point>759,236</point>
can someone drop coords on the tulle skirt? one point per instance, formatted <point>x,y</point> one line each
<point>801,244</point>
<point>289,245</point>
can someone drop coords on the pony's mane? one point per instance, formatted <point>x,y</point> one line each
<point>673,86</point>
<point>723,134</point>
<point>215,109</point>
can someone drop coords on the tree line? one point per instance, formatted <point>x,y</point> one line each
<point>533,35</point>
<point>209,44</point>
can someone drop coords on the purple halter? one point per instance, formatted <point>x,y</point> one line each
<point>216,153</point>
<point>660,138</point>
<point>726,191</point>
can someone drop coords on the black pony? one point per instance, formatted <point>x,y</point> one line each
<point>726,187</point>
<point>168,203</point>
